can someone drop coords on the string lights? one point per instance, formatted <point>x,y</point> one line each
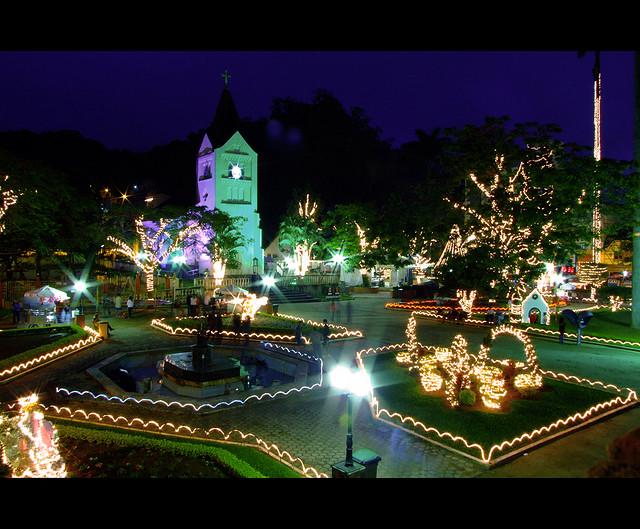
<point>217,434</point>
<point>25,367</point>
<point>494,453</point>
<point>466,300</point>
<point>515,246</point>
<point>30,443</point>
<point>155,248</point>
<point>9,198</point>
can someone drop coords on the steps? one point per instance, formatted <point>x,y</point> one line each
<point>289,295</point>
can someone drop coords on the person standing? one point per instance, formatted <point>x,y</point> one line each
<point>299,333</point>
<point>188,304</point>
<point>16,311</point>
<point>561,327</point>
<point>130,307</point>
<point>332,309</point>
<point>325,332</point>
<point>117,304</point>
<point>194,305</point>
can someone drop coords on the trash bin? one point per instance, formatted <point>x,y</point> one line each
<point>275,308</point>
<point>369,460</point>
<point>103,329</point>
<point>340,470</point>
<point>80,320</point>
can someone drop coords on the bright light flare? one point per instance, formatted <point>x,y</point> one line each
<point>345,379</point>
<point>80,286</point>
<point>268,281</point>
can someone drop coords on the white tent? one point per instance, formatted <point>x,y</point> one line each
<point>45,296</point>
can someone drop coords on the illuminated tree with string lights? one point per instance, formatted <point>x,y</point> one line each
<point>9,198</point>
<point>299,233</point>
<point>155,243</point>
<point>527,203</point>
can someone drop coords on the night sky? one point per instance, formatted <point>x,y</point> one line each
<point>136,100</point>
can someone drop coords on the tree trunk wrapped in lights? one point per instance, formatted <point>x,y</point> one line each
<point>155,248</point>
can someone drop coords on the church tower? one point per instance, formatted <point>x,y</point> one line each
<point>227,173</point>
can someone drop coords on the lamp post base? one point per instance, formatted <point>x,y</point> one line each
<point>341,470</point>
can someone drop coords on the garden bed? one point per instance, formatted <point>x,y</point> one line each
<point>477,433</point>
<point>15,354</point>
<point>112,453</point>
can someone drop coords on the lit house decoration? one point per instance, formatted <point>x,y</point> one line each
<point>535,309</point>
<point>29,443</point>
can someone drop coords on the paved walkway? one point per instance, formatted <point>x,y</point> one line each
<point>312,425</point>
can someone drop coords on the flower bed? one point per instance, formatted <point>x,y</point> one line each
<point>487,436</point>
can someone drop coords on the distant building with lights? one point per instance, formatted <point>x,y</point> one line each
<point>227,178</point>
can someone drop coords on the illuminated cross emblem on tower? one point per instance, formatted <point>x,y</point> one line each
<point>226,76</point>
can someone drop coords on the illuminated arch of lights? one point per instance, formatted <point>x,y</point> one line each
<point>25,367</point>
<point>490,455</point>
<point>214,434</point>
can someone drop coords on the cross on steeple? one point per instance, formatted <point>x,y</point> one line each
<point>226,76</point>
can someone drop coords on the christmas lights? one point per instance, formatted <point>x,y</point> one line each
<point>9,198</point>
<point>466,300</point>
<point>234,436</point>
<point>616,303</point>
<point>29,443</point>
<point>197,407</point>
<point>25,367</point>
<point>156,247</point>
<point>496,452</point>
<point>498,230</point>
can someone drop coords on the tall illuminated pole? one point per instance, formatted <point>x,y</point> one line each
<point>635,277</point>
<point>597,154</point>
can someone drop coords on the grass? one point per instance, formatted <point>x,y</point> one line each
<point>161,454</point>
<point>604,324</point>
<point>78,333</point>
<point>399,391</point>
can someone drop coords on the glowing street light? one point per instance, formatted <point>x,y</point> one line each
<point>350,382</point>
<point>180,259</point>
<point>338,258</point>
<point>268,281</point>
<point>80,286</point>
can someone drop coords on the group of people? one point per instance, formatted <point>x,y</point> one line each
<point>494,316</point>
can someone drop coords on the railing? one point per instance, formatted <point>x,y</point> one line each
<point>209,283</point>
<point>309,279</point>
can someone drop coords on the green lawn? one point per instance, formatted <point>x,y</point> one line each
<point>399,391</point>
<point>604,324</point>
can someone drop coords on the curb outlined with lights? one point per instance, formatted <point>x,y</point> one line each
<point>198,407</point>
<point>186,432</point>
<point>499,452</point>
<point>26,367</point>
<point>159,323</point>
<point>530,330</point>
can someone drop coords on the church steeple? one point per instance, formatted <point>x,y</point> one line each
<point>226,120</point>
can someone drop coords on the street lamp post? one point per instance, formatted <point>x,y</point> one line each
<point>353,383</point>
<point>349,459</point>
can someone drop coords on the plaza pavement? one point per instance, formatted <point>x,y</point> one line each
<point>312,425</point>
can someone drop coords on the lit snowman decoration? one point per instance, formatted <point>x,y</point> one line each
<point>236,171</point>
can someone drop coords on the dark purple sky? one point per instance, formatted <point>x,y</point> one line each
<point>137,100</point>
